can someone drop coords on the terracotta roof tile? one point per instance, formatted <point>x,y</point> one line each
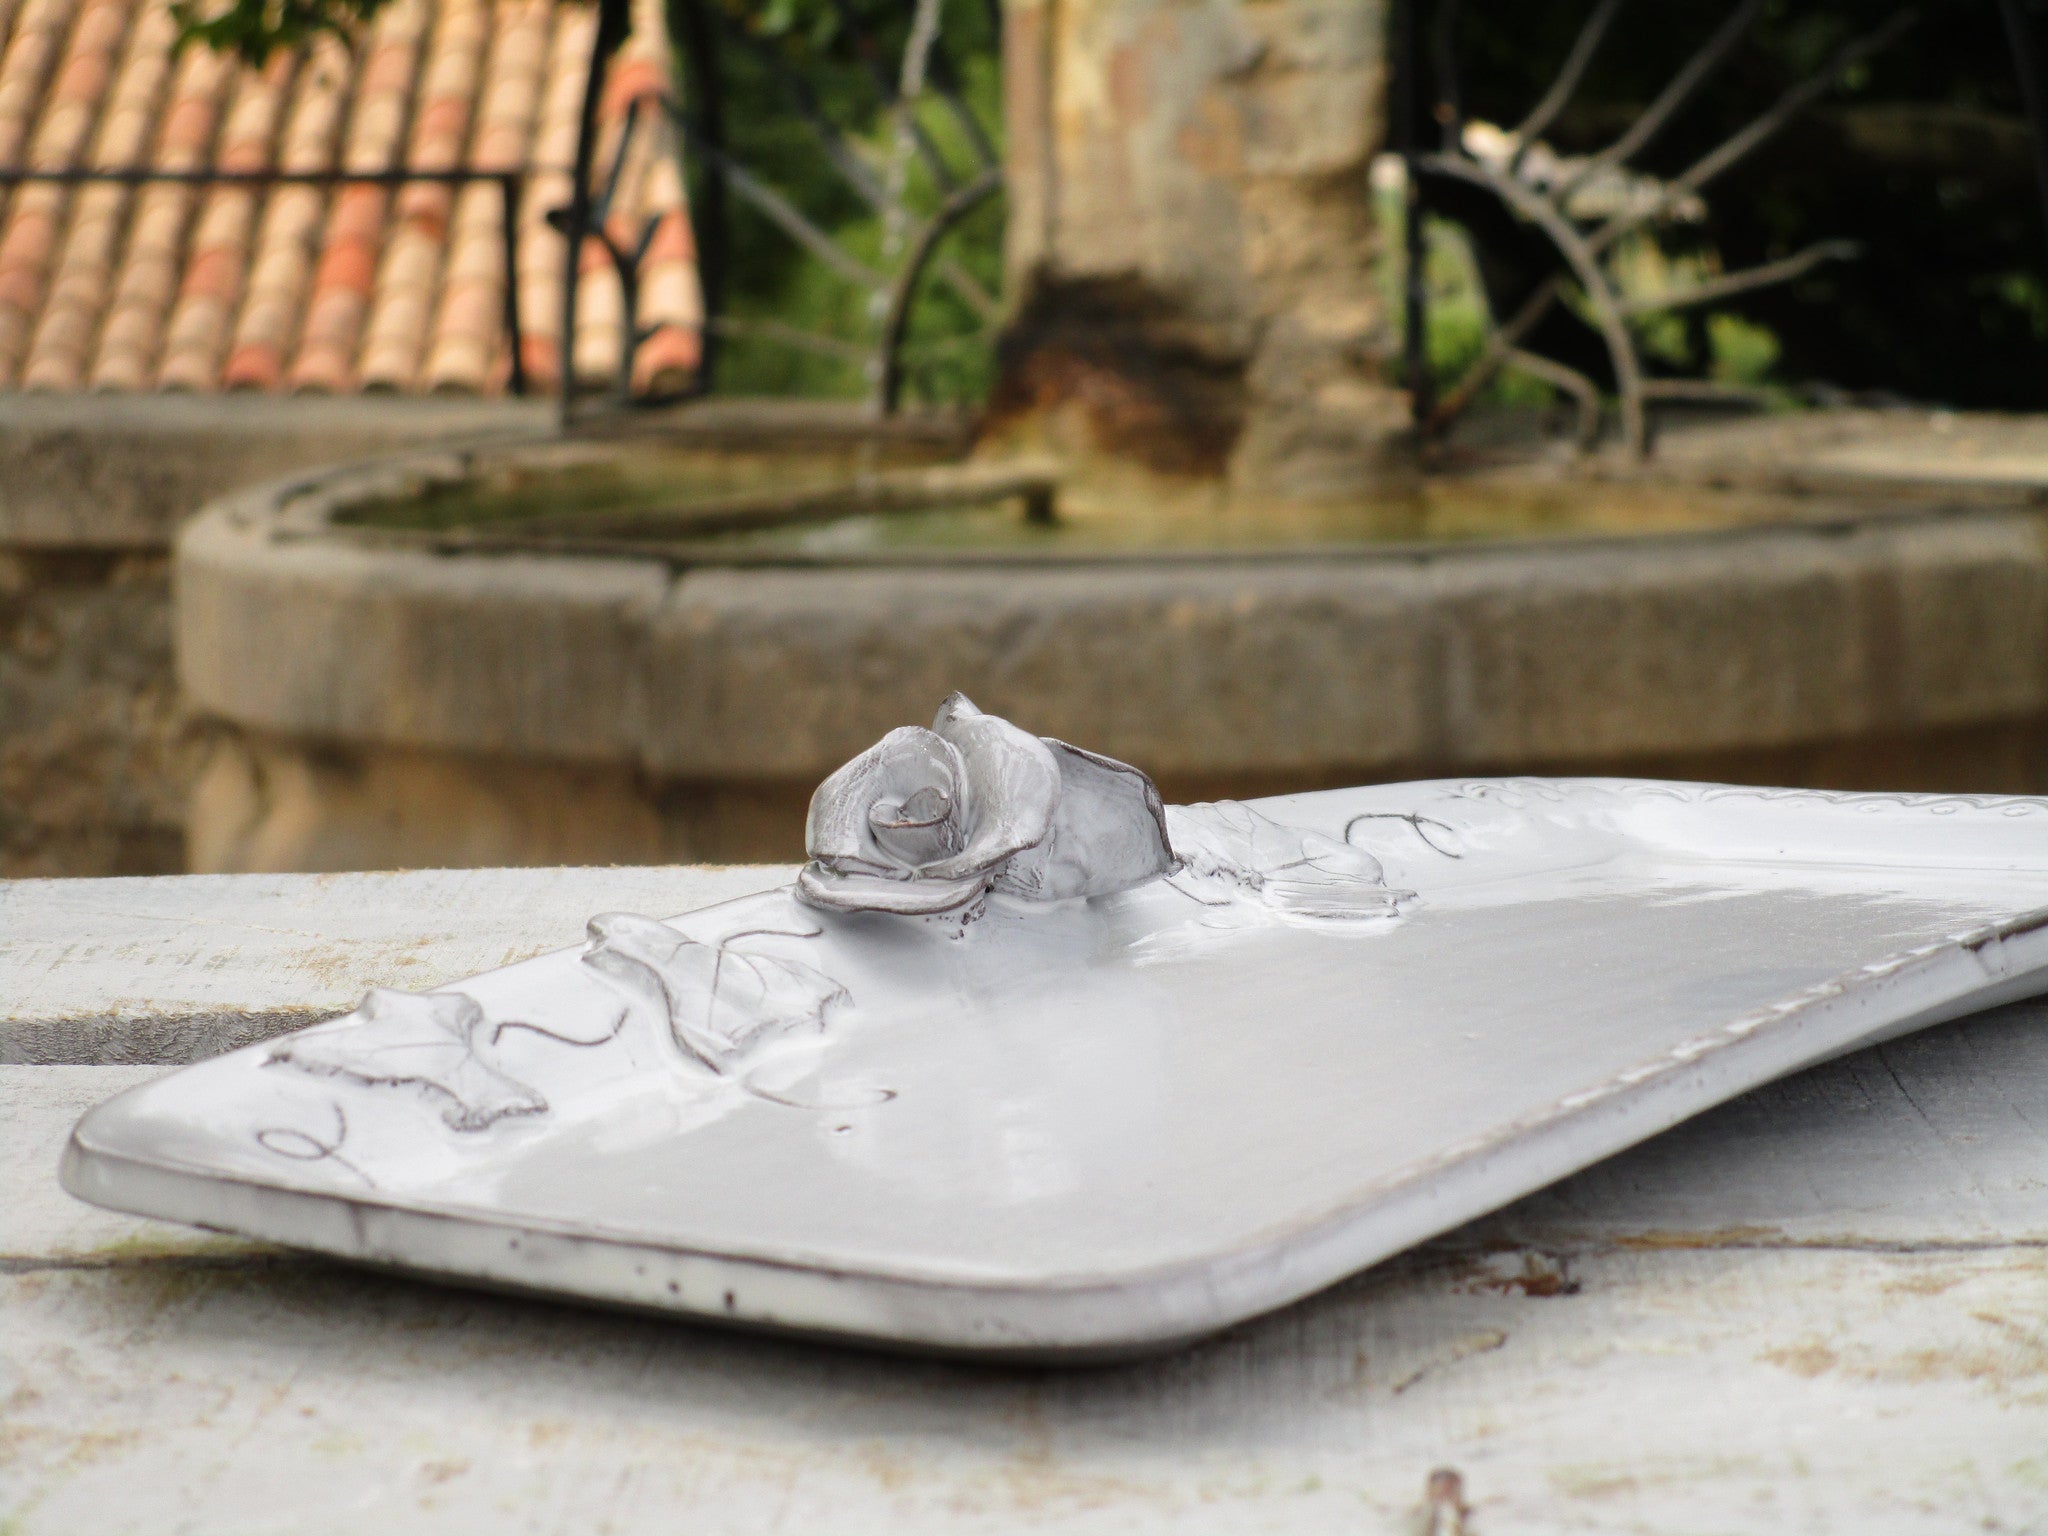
<point>35,219</point>
<point>32,44</point>
<point>347,273</point>
<point>467,346</point>
<point>409,278</point>
<point>281,270</point>
<point>540,248</point>
<point>639,72</point>
<point>64,335</point>
<point>671,306</point>
<point>178,286</point>
<point>150,267</point>
<point>218,256</point>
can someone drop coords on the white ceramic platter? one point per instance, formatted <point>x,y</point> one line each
<point>1100,1126</point>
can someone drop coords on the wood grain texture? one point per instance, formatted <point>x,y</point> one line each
<point>1821,1308</point>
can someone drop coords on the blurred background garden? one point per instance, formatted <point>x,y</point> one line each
<point>484,432</point>
<point>1920,158</point>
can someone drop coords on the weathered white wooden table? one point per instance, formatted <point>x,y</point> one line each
<point>1823,1308</point>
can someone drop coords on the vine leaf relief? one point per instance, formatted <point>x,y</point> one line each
<point>1231,853</point>
<point>302,1146</point>
<point>434,1041</point>
<point>719,1001</point>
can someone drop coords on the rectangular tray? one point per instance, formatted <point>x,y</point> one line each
<point>1109,1126</point>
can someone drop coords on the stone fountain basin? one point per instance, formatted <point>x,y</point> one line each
<point>392,688</point>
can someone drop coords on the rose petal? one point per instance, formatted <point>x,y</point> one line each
<point>1108,833</point>
<point>840,891</point>
<point>1011,783</point>
<point>918,831</point>
<point>896,768</point>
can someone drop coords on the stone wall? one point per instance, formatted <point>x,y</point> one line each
<point>97,758</point>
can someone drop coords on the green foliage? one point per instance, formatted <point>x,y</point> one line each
<point>255,29</point>
<point>846,68</point>
<point>845,54</point>
<point>1743,351</point>
<point>1459,323</point>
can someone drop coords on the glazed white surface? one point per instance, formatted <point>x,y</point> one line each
<point>1109,1125</point>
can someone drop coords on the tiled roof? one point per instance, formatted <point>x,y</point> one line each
<point>297,287</point>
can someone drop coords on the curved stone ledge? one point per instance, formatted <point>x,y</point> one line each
<point>122,472</point>
<point>326,637</point>
<point>1458,657</point>
<point>1214,673</point>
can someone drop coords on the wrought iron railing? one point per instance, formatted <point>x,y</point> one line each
<point>704,31</point>
<point>1585,245</point>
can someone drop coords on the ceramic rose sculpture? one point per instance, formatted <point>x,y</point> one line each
<point>929,822</point>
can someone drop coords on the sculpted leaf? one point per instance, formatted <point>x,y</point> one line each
<point>719,1000</point>
<point>1231,852</point>
<point>433,1041</point>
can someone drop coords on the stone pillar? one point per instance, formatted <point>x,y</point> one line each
<point>1192,242</point>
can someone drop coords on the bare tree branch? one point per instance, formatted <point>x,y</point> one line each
<point>1740,145</point>
<point>924,32</point>
<point>896,324</point>
<point>945,84</point>
<point>1547,212</point>
<point>1554,101</point>
<point>1746,281</point>
<point>1585,266</point>
<point>792,336</point>
<point>1503,341</point>
<point>985,305</point>
<point>1571,382</point>
<point>786,216</point>
<point>1697,70</point>
<point>798,90</point>
<point>927,151</point>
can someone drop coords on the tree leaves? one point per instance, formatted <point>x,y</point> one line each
<point>253,28</point>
